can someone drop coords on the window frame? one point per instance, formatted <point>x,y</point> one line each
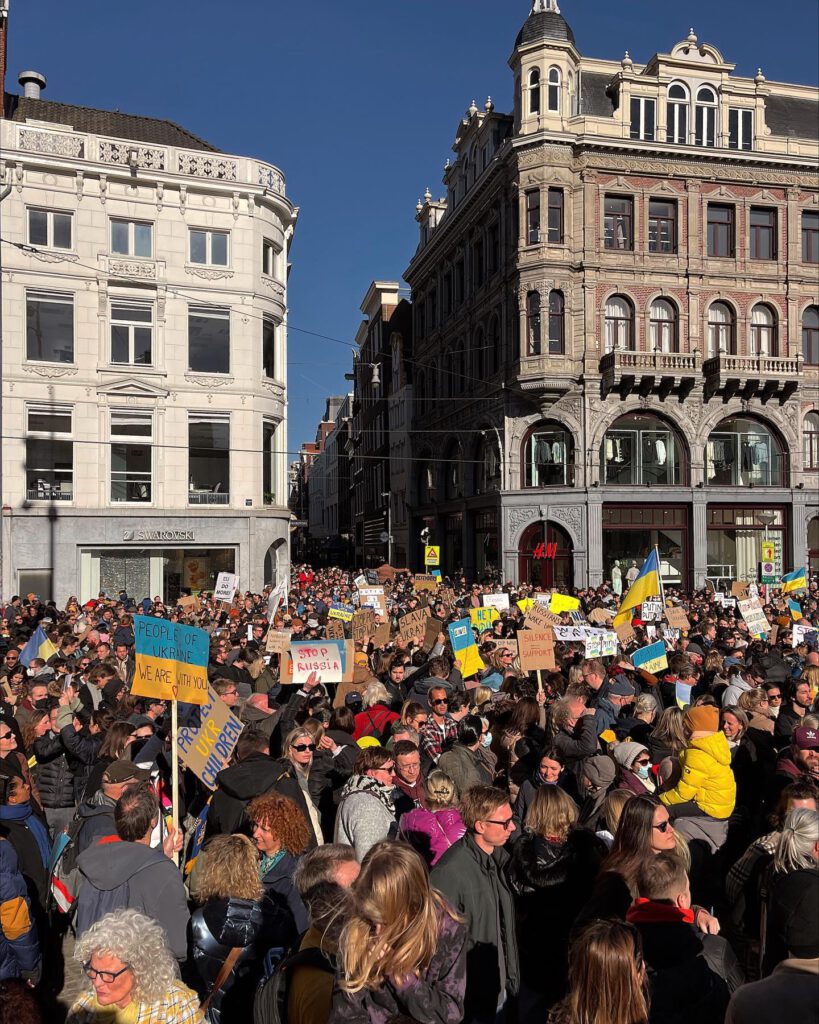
<point>269,460</point>
<point>209,313</point>
<point>677,110</point>
<point>659,327</point>
<point>757,233</point>
<point>269,322</point>
<point>209,234</point>
<point>131,223</point>
<point>557,318</point>
<point>613,326</point>
<point>219,497</point>
<point>553,83</point>
<point>59,436</point>
<point>705,134</point>
<point>126,441</point>
<point>810,336</point>
<point>715,229</point>
<point>268,245</point>
<point>533,88</point>
<point>551,433</point>
<point>50,213</point>
<point>612,218</point>
<point>764,335</point>
<point>555,234</point>
<point>132,326</point>
<point>534,323</point>
<point>810,436</point>
<point>810,237</point>
<point>717,330</point>
<point>641,130</point>
<point>44,295</point>
<point>656,220</point>
<point>741,129</point>
<point>532,216</point>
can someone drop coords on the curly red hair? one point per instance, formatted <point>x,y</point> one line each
<point>284,819</point>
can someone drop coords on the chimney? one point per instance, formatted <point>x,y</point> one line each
<point>33,84</point>
<point>4,28</point>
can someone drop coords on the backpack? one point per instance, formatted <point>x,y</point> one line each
<point>270,1004</point>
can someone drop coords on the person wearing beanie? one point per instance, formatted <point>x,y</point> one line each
<point>635,767</point>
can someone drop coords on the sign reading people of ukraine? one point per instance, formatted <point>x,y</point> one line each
<point>171,661</point>
<point>464,647</point>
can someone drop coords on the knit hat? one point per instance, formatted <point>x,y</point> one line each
<point>626,752</point>
<point>599,770</point>
<point>621,687</point>
<point>702,718</point>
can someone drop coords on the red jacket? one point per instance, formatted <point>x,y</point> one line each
<point>375,721</point>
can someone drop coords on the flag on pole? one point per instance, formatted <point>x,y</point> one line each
<point>646,585</point>
<point>277,595</point>
<point>197,837</point>
<point>795,609</point>
<point>39,646</point>
<point>791,582</point>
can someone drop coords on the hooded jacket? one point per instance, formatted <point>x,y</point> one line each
<point>366,814</point>
<point>117,874</point>
<point>432,832</point>
<point>19,951</point>
<point>55,782</point>
<point>97,817</point>
<point>707,778</point>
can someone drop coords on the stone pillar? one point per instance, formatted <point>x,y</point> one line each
<point>699,539</point>
<point>799,532</point>
<point>594,539</point>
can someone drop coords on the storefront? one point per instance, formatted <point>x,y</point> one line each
<point>813,547</point>
<point>545,556</point>
<point>486,541</point>
<point>155,571</point>
<point>735,534</point>
<point>453,552</point>
<point>631,532</point>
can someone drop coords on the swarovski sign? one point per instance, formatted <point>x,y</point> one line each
<point>134,535</point>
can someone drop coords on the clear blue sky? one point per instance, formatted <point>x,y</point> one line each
<point>358,103</point>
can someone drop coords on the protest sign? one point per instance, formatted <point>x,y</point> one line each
<point>651,610</point>
<point>437,574</point>
<point>189,603</point>
<point>483,617</point>
<point>542,598</point>
<point>373,597</point>
<point>412,625</point>
<point>677,618</point>
<point>540,616</point>
<point>278,641</point>
<point>651,658</point>
<point>360,581</point>
<point>426,581</point>
<point>432,630</point>
<point>591,646</point>
<point>600,615</point>
<point>464,647</point>
<point>497,601</point>
<point>525,605</point>
<point>536,649</point>
<point>206,750</point>
<point>751,611</point>
<point>448,596</point>
<point>334,629</point>
<point>504,644</point>
<point>363,624</point>
<point>432,555</point>
<point>608,645</point>
<point>773,634</point>
<point>171,661</point>
<point>226,584</point>
<point>578,618</point>
<point>576,634</point>
<point>682,694</point>
<point>342,612</point>
<point>324,657</point>
<point>381,635</point>
<point>803,635</point>
<point>563,603</point>
<point>739,589</point>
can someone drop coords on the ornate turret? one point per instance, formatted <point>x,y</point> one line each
<point>545,22</point>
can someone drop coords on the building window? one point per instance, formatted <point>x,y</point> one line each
<point>533,216</point>
<point>618,222</point>
<point>132,238</point>
<point>271,257</point>
<point>662,225</point>
<point>52,229</point>
<point>208,460</point>
<point>763,233</point>
<point>740,129</point>
<point>49,327</point>
<point>677,114</point>
<point>556,216</point>
<point>453,472</point>
<point>720,230</point>
<point>721,330</point>
<point>131,437</point>
<point>663,323</point>
<point>269,455</point>
<point>548,457</point>
<point>493,247</point>
<point>209,248</point>
<point>556,323</point>
<point>811,435</point>
<point>742,451</point>
<point>810,236</point>
<point>493,353</point>
<point>533,323</point>
<point>132,333</point>
<point>487,476</point>
<point>269,347</point>
<point>208,339</point>
<point>810,335</point>
<point>619,324</point>
<point>763,331</point>
<point>534,91</point>
<point>705,125</point>
<point>642,118</point>
<point>641,450</point>
<point>554,90</point>
<point>49,454</point>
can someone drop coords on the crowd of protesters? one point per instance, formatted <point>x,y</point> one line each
<point>576,845</point>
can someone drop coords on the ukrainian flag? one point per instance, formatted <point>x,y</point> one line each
<point>646,585</point>
<point>39,646</point>
<point>792,581</point>
<point>795,609</point>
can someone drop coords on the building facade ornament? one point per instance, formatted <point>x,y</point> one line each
<point>207,165</point>
<point>33,140</point>
<point>126,154</point>
<point>207,274</point>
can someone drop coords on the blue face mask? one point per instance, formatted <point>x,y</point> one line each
<point>487,739</point>
<point>643,770</point>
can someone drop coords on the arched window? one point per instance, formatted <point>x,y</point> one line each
<point>486,462</point>
<point>705,125</point>
<point>459,368</point>
<point>557,344</point>
<point>619,324</point>
<point>533,324</point>
<point>642,450</point>
<point>763,331</point>
<point>677,114</point>
<point>554,90</point>
<point>721,330</point>
<point>534,91</point>
<point>453,472</point>
<point>663,321</point>
<point>548,457</point>
<point>810,335</point>
<point>479,355</point>
<point>742,451</point>
<point>493,353</point>
<point>811,435</point>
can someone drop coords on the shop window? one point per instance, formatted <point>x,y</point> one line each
<point>269,457</point>
<point>663,323</point>
<point>269,347</point>
<point>677,114</point>
<point>533,324</point>
<point>705,125</point>
<point>733,541</point>
<point>763,331</point>
<point>811,436</point>
<point>630,534</point>
<point>49,454</point>
<point>49,327</point>
<point>742,452</point>
<point>662,225</point>
<point>721,330</point>
<point>208,339</point>
<point>131,457</point>
<point>132,332</point>
<point>208,460</point>
<point>813,549</point>
<point>642,451</point>
<point>548,457</point>
<point>619,333</point>
<point>810,335</point>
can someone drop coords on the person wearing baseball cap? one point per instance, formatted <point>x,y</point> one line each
<point>799,762</point>
<point>97,813</point>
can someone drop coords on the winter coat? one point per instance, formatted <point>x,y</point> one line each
<point>786,721</point>
<point>790,897</point>
<point>219,926</point>
<point>54,779</point>
<point>432,832</point>
<point>366,814</point>
<point>279,886</point>
<point>376,721</point>
<point>19,950</point>
<point>82,750</point>
<point>259,721</point>
<point>634,784</point>
<point>22,832</point>
<point>706,778</point>
<point>117,874</point>
<point>434,997</point>
<point>464,768</point>
<point>97,817</point>
<point>576,746</point>
<point>475,884</point>
<point>550,882</point>
<point>791,993</point>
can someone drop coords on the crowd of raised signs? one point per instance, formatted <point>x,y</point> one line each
<point>411,798</point>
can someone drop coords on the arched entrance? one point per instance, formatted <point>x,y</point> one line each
<point>545,556</point>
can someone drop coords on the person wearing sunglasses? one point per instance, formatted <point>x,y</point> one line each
<point>366,813</point>
<point>634,765</point>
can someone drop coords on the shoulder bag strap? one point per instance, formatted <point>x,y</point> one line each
<point>222,976</point>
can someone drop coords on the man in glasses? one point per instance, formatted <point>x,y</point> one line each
<point>440,729</point>
<point>471,874</point>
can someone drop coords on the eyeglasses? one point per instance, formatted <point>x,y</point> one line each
<point>642,763</point>
<point>664,826</point>
<point>421,721</point>
<point>774,696</point>
<point>106,976</point>
<point>437,703</point>
<point>301,747</point>
<point>505,823</point>
<point>6,735</point>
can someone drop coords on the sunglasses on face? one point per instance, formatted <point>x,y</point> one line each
<point>301,747</point>
<point>6,735</point>
<point>436,703</point>
<point>664,826</point>
<point>642,763</point>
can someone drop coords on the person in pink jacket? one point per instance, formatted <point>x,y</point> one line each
<point>433,830</point>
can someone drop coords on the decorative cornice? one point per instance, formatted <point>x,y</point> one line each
<point>208,381</point>
<point>53,143</point>
<point>274,286</point>
<point>50,372</point>
<point>127,154</point>
<point>207,274</point>
<point>132,268</point>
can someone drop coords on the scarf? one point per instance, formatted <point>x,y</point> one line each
<point>269,861</point>
<point>114,1014</point>
<point>24,813</point>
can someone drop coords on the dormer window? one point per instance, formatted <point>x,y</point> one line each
<point>554,90</point>
<point>677,114</point>
<point>740,128</point>
<point>706,117</point>
<point>642,118</point>
<point>534,91</point>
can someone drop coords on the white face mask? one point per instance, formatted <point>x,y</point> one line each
<point>487,739</point>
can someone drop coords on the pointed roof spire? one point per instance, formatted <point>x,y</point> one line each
<point>544,5</point>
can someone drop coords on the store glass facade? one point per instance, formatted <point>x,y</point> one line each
<point>734,537</point>
<point>630,532</point>
<point>146,572</point>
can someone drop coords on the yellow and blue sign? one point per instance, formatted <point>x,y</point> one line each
<point>652,658</point>
<point>464,647</point>
<point>39,646</point>
<point>483,617</point>
<point>171,661</point>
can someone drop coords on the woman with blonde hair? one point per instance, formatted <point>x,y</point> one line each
<point>668,738</point>
<point>756,706</point>
<point>403,949</point>
<point>431,830</point>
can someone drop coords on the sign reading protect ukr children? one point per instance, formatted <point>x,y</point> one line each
<point>171,661</point>
<point>206,750</point>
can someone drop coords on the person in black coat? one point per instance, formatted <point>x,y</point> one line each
<point>82,734</point>
<point>53,776</point>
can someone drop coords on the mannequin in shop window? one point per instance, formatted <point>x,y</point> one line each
<point>617,579</point>
<point>632,573</point>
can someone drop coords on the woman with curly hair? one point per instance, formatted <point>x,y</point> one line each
<point>133,975</point>
<point>281,835</point>
<point>234,913</point>
<point>403,950</point>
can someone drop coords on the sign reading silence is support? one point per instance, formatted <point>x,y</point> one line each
<point>171,661</point>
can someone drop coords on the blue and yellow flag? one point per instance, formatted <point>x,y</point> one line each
<point>791,581</point>
<point>646,585</point>
<point>795,609</point>
<point>39,646</point>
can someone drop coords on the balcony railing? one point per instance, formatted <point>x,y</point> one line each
<point>208,498</point>
<point>629,370</point>
<point>48,493</point>
<point>757,366</point>
<point>752,375</point>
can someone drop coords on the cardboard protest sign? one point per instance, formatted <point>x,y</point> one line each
<point>677,619</point>
<point>651,610</point>
<point>600,615</point>
<point>342,612</point>
<point>412,625</point>
<point>739,589</point>
<point>360,581</point>
<point>448,596</point>
<point>497,601</point>
<point>363,624</point>
<point>651,658</point>
<point>563,603</point>
<point>536,649</point>
<point>539,616</point>
<point>324,657</point>
<point>381,635</point>
<point>425,581</point>
<point>189,603</point>
<point>171,661</point>
<point>751,611</point>
<point>432,630</point>
<point>483,617</point>
<point>374,598</point>
<point>464,647</point>
<point>226,584</point>
<point>506,644</point>
<point>207,749</point>
<point>334,630</point>
<point>773,634</point>
<point>278,641</point>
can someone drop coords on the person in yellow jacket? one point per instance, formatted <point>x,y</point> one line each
<point>707,785</point>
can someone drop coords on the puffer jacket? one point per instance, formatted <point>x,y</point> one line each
<point>432,832</point>
<point>19,952</point>
<point>707,778</point>
<point>55,780</point>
